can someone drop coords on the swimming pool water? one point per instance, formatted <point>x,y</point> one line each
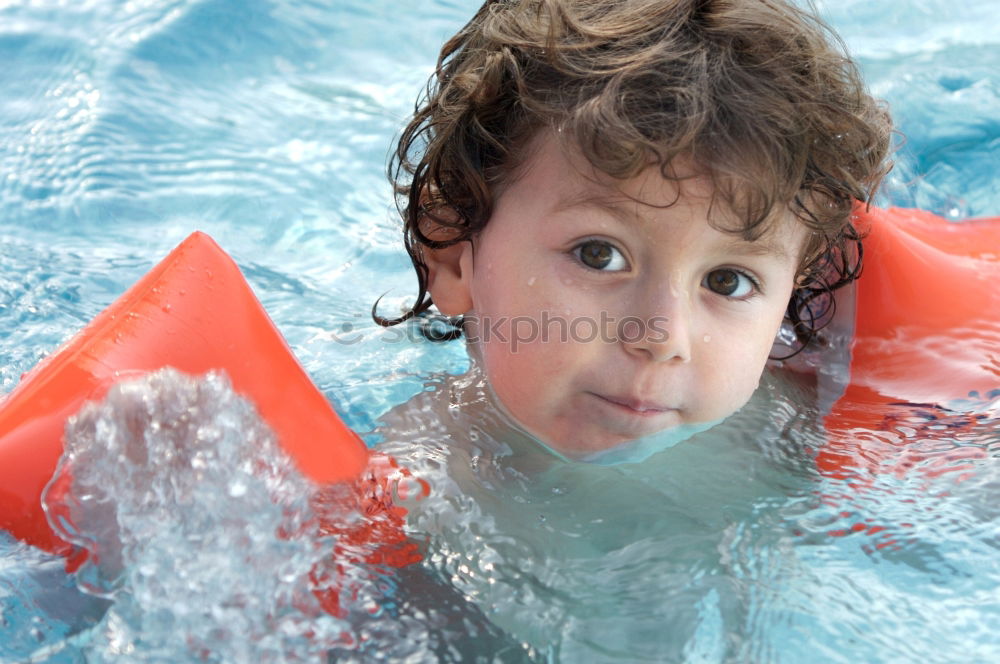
<point>125,125</point>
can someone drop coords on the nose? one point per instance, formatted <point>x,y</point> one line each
<point>664,335</point>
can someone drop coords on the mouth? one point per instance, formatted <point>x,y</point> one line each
<point>634,407</point>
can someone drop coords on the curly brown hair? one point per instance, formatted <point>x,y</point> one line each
<point>759,94</point>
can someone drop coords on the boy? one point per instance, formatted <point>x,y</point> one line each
<point>624,199</point>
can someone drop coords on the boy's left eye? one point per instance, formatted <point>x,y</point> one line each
<point>600,255</point>
<point>730,283</point>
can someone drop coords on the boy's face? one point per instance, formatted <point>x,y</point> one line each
<point>604,311</point>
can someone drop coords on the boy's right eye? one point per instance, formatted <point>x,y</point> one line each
<point>600,255</point>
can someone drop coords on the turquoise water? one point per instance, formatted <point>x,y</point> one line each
<point>124,126</point>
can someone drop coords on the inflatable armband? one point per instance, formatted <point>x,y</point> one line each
<point>927,329</point>
<point>195,312</point>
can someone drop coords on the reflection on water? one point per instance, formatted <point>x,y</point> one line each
<point>730,546</point>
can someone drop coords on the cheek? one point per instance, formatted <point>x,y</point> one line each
<point>520,378</point>
<point>533,378</point>
<point>739,361</point>
<point>518,357</point>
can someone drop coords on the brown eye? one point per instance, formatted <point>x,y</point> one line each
<point>599,255</point>
<point>730,283</point>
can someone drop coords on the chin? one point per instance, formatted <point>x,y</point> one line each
<point>583,445</point>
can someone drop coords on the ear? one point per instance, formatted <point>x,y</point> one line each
<point>449,277</point>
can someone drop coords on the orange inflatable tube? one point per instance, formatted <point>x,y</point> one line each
<point>195,312</point>
<point>927,330</point>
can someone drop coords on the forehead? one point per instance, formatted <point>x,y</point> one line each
<point>558,171</point>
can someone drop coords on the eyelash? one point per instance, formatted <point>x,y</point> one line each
<point>577,253</point>
<point>755,283</point>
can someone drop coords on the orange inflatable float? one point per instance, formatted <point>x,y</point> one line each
<point>194,312</point>
<point>926,337</point>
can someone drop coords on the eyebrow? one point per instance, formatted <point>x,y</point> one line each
<point>616,206</point>
<point>759,247</point>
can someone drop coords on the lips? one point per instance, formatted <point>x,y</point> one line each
<point>636,406</point>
